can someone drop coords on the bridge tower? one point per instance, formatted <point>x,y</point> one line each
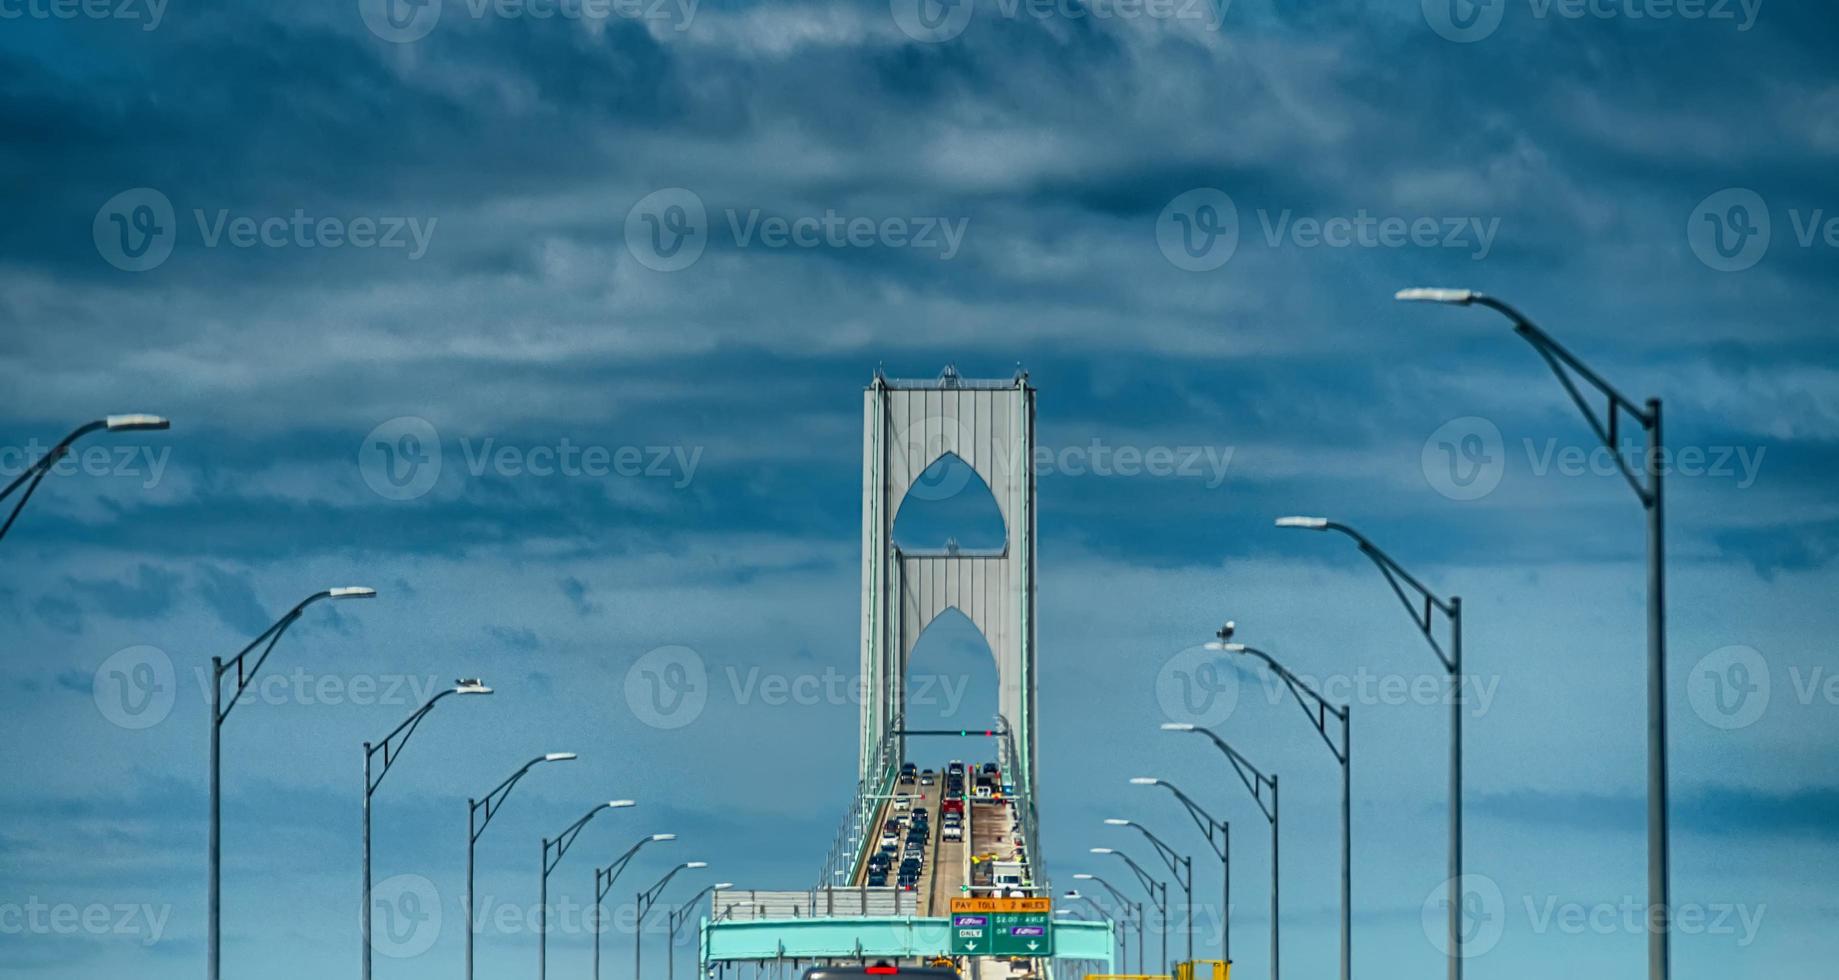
<point>908,426</point>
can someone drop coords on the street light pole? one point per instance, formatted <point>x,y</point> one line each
<point>1116,924</point>
<point>562,842</point>
<point>1255,783</point>
<point>675,919</point>
<point>475,827</point>
<point>1158,893</point>
<point>1565,366</point>
<point>40,468</point>
<point>1318,710</point>
<point>1221,847</point>
<point>391,749</point>
<point>1179,865</point>
<point>1423,605</point>
<point>1131,910</point>
<point>642,903</point>
<point>219,712</point>
<point>603,883</point>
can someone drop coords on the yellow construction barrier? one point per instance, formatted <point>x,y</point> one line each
<point>1197,970</point>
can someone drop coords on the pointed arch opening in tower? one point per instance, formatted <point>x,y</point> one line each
<point>950,508</point>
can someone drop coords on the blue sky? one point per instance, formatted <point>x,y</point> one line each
<point>472,244</point>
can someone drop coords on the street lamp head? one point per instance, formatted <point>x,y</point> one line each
<point>136,423</point>
<point>1311,523</point>
<point>1083,877</point>
<point>1103,850</point>
<point>621,804</point>
<point>1145,780</point>
<point>558,757</point>
<point>723,885</point>
<point>1178,726</point>
<point>351,592</point>
<point>662,837</point>
<point>470,685</point>
<point>1227,647</point>
<point>1072,894</point>
<point>1454,297</point>
<point>1115,822</point>
<point>695,864</point>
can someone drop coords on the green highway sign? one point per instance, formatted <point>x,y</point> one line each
<point>1002,927</point>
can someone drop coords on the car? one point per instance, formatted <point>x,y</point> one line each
<point>907,779</point>
<point>877,879</point>
<point>891,827</point>
<point>881,969</point>
<point>951,806</point>
<point>982,792</point>
<point>901,803</point>
<point>989,769</point>
<point>908,767</point>
<point>926,777</point>
<point>954,831</point>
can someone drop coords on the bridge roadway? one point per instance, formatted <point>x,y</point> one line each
<point>954,869</point>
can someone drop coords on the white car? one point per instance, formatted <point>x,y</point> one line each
<point>954,831</point>
<point>901,803</point>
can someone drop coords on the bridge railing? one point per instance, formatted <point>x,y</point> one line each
<point>854,835</point>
